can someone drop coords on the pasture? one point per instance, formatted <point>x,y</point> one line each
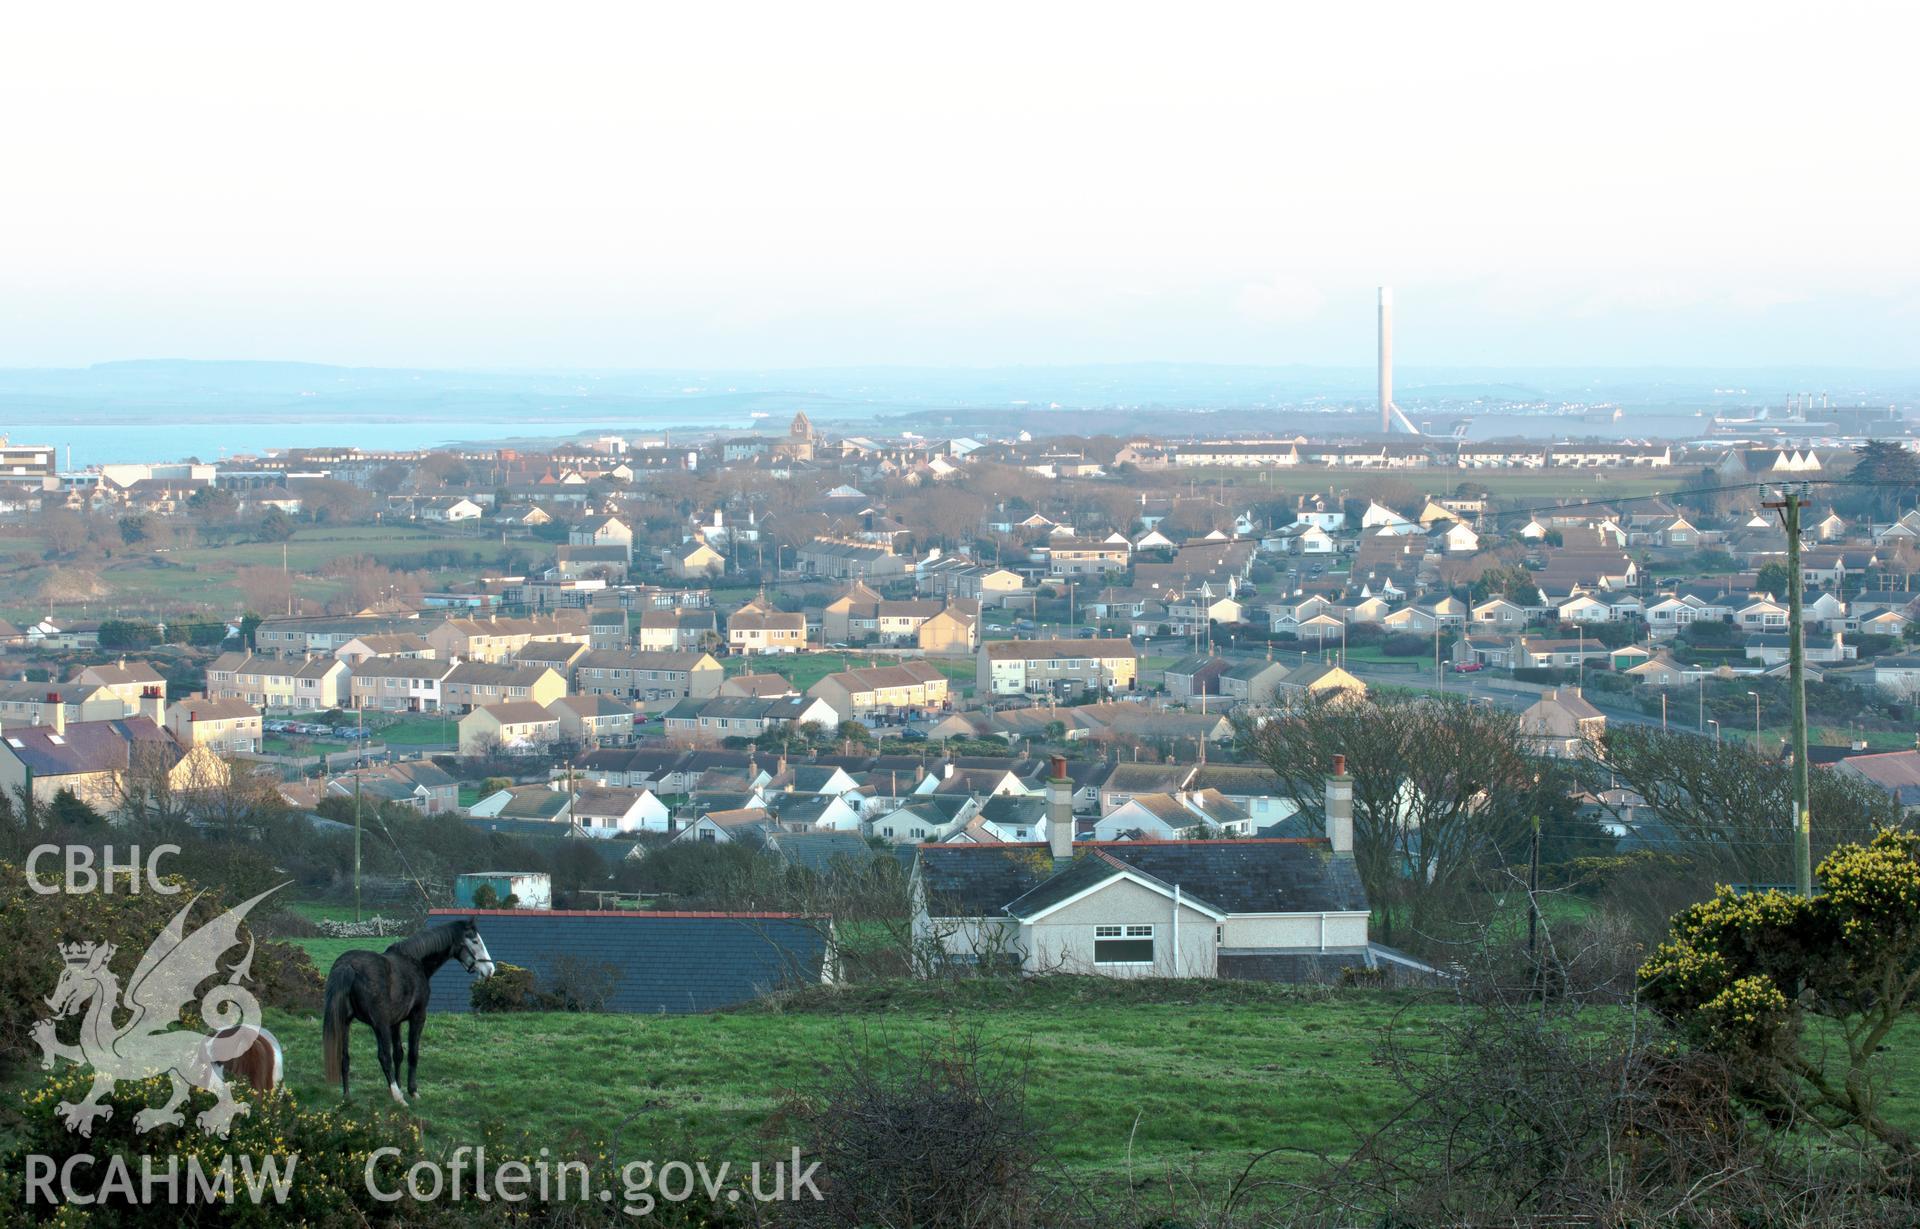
<point>1150,1077</point>
<point>199,576</point>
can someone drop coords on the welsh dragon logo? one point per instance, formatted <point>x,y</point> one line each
<point>151,1037</point>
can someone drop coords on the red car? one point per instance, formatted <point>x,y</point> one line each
<point>1467,667</point>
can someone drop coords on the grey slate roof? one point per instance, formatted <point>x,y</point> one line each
<point>653,962</point>
<point>816,851</point>
<point>1235,876</point>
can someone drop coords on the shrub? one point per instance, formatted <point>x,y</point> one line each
<point>934,1136</point>
<point>33,926</point>
<point>509,989</point>
<point>322,1154</point>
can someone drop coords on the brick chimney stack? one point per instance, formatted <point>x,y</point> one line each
<point>1060,812</point>
<point>1340,807</point>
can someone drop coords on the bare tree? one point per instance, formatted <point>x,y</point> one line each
<point>1727,809</point>
<point>1440,788</point>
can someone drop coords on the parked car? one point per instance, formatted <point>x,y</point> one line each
<point>1468,667</point>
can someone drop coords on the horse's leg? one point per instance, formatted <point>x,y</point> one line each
<point>415,1022</point>
<point>167,1115</point>
<point>384,1039</point>
<point>346,1055</point>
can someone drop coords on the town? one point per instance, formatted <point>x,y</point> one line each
<point>824,617</point>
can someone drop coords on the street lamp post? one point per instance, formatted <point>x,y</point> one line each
<point>1715,723</point>
<point>1756,719</point>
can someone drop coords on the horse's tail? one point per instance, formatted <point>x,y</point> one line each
<point>334,1019</point>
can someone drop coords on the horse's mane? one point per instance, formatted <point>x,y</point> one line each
<point>433,941</point>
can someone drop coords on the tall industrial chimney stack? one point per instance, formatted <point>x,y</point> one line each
<point>1386,360</point>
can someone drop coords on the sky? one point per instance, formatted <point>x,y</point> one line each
<point>788,185</point>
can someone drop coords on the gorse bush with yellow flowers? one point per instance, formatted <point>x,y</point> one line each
<point>1742,974</point>
<point>319,1155</point>
<point>339,1166</point>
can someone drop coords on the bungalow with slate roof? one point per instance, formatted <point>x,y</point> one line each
<point>420,784</point>
<point>614,810</point>
<point>1267,909</point>
<point>1774,649</point>
<point>743,717</point>
<point>1898,675</point>
<point>536,802</point>
<point>1896,772</point>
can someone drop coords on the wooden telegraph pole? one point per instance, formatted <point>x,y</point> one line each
<point>1789,508</point>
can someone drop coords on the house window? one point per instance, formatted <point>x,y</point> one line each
<point>1123,944</point>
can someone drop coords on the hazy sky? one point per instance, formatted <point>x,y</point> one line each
<point>644,185</point>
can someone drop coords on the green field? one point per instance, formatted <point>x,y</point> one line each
<point>1202,1074</point>
<point>202,576</point>
<point>1145,1080</point>
<point>323,952</point>
<point>803,670</point>
<point>419,732</point>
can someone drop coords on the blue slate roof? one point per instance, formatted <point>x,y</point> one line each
<point>658,962</point>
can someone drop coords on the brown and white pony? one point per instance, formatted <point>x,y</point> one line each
<point>245,1053</point>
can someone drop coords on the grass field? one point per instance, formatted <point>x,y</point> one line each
<point>803,670</point>
<point>202,576</point>
<point>419,732</point>
<point>1132,1079</point>
<point>1201,1074</point>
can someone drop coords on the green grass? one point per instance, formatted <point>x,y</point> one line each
<point>1180,1073</point>
<point>803,670</point>
<point>280,744</point>
<point>323,952</point>
<point>202,576</point>
<point>418,731</point>
<point>320,911</point>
